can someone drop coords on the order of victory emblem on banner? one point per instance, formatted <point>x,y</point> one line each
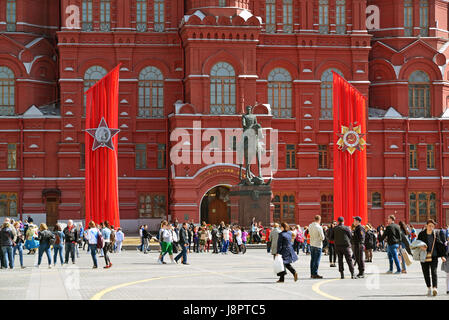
<point>351,139</point>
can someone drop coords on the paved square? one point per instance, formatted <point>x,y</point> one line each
<point>138,276</point>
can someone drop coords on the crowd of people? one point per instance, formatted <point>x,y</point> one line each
<point>187,238</point>
<point>65,242</point>
<point>356,244</point>
<point>340,242</point>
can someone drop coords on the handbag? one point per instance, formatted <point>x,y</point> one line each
<point>406,257</point>
<point>278,264</point>
<point>429,254</point>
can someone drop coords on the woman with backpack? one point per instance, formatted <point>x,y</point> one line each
<point>46,240</point>
<point>58,246</point>
<point>93,235</point>
<point>370,242</point>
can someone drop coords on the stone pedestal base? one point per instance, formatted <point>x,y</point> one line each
<point>248,202</point>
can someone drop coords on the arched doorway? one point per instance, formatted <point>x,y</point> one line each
<point>215,205</point>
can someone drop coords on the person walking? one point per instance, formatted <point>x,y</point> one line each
<point>342,236</point>
<point>225,242</point>
<point>58,245</point>
<point>7,241</point>
<point>166,243</point>
<point>214,234</point>
<point>274,236</point>
<point>332,252</point>
<point>92,238</point>
<point>370,242</point>
<point>71,241</point>
<point>404,244</point>
<point>435,249</point>
<point>393,235</point>
<point>46,239</point>
<point>267,237</point>
<point>316,246</point>
<point>359,245</point>
<point>184,243</point>
<point>119,238</point>
<point>146,236</point>
<point>18,245</point>
<point>285,249</point>
<point>106,233</point>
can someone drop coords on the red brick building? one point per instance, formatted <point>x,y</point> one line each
<point>195,60</point>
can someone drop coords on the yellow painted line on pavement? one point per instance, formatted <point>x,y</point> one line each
<point>100,294</point>
<point>316,288</point>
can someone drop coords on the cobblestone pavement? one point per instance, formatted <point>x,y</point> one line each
<point>135,275</point>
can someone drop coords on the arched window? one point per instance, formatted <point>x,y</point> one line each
<point>324,16</point>
<point>151,93</point>
<point>91,76</point>
<point>222,89</point>
<point>7,84</point>
<point>141,15</point>
<point>159,16</point>
<point>105,15</point>
<point>280,93</point>
<point>326,93</point>
<point>341,16</point>
<point>11,15</point>
<point>419,95</point>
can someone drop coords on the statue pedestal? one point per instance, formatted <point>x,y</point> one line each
<point>248,202</point>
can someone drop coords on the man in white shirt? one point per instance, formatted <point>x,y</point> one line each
<point>225,245</point>
<point>316,246</point>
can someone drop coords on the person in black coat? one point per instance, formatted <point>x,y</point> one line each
<point>435,249</point>
<point>359,245</point>
<point>285,249</point>
<point>184,243</point>
<point>342,237</point>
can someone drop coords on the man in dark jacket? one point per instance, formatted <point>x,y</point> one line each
<point>341,236</point>
<point>215,238</point>
<point>7,243</point>
<point>359,246</point>
<point>71,236</point>
<point>393,235</point>
<point>184,243</point>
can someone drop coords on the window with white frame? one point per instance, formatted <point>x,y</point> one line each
<point>141,15</point>
<point>87,15</point>
<point>91,76</point>
<point>7,91</point>
<point>270,23</point>
<point>159,15</point>
<point>424,18</point>
<point>326,93</point>
<point>11,15</point>
<point>288,16</point>
<point>222,89</point>
<point>408,18</point>
<point>324,16</point>
<point>151,93</point>
<point>105,15</point>
<point>280,93</point>
<point>341,16</point>
<point>419,95</point>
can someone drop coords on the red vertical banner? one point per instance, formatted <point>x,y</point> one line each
<point>350,177</point>
<point>101,141</point>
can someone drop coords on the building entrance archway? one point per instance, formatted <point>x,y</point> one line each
<point>215,205</point>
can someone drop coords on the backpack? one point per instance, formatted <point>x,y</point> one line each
<point>51,238</point>
<point>112,239</point>
<point>100,240</point>
<point>299,237</point>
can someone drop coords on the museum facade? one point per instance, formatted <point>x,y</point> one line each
<point>194,65</point>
